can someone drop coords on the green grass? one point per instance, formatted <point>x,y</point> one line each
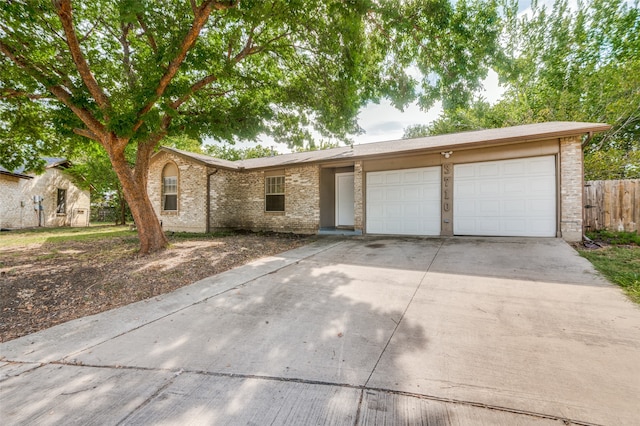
<point>620,262</point>
<point>616,238</point>
<point>59,235</point>
<point>56,235</point>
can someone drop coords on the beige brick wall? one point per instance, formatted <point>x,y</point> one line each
<point>237,201</point>
<point>17,207</point>
<point>571,188</point>
<point>191,215</point>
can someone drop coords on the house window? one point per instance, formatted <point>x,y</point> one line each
<point>61,203</point>
<point>274,194</point>
<point>170,187</point>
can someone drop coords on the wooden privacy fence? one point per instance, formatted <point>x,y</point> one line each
<point>612,204</point>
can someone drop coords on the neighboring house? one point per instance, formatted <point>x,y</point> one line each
<point>516,181</point>
<point>47,199</point>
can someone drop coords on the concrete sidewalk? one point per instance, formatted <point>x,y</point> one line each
<point>362,331</point>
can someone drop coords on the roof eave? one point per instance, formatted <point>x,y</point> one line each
<point>198,160</point>
<point>17,175</point>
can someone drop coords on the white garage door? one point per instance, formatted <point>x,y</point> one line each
<point>404,202</point>
<point>505,198</point>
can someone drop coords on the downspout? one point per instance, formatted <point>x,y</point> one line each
<point>584,143</point>
<point>587,140</point>
<point>208,203</point>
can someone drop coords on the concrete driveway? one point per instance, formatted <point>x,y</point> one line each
<point>362,331</point>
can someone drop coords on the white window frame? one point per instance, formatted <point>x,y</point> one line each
<point>173,190</point>
<point>274,186</point>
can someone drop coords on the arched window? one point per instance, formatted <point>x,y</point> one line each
<point>170,187</point>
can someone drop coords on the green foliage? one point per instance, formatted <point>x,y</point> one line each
<point>125,74</point>
<point>184,143</point>
<point>566,64</point>
<point>615,237</point>
<point>277,67</point>
<point>316,146</point>
<point>49,235</point>
<point>621,265</point>
<point>231,153</point>
<point>612,164</point>
<point>93,171</point>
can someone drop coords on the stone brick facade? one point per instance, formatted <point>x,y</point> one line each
<point>17,209</point>
<point>191,215</point>
<point>214,194</point>
<point>571,189</point>
<point>236,198</point>
<point>238,201</point>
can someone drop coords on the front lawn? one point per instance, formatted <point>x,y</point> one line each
<point>618,259</point>
<point>53,275</point>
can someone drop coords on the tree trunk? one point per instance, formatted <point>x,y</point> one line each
<point>122,215</point>
<point>134,188</point>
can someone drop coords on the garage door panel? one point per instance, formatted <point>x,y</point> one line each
<point>465,188</point>
<point>541,185</point>
<point>464,171</point>
<point>412,193</point>
<point>410,202</point>
<point>488,225</point>
<point>412,177</point>
<point>488,208</point>
<point>514,168</point>
<point>489,188</point>
<point>540,208</point>
<point>374,179</point>
<point>514,207</point>
<point>519,200</point>
<point>541,166</point>
<point>541,227</point>
<point>391,195</point>
<point>515,186</point>
<point>393,178</point>
<point>488,170</point>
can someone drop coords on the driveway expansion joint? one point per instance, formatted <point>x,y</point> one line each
<point>404,312</point>
<point>361,388</point>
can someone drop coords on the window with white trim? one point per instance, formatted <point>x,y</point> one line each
<point>170,187</point>
<point>274,194</point>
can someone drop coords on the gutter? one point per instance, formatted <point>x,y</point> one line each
<point>584,216</point>
<point>208,203</point>
<point>587,140</point>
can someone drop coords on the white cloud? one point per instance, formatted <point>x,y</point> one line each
<point>383,122</point>
<point>491,91</point>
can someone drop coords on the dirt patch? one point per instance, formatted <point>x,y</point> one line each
<point>46,284</point>
<point>375,245</point>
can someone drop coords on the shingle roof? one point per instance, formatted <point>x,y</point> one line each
<point>472,139</point>
<point>20,171</point>
<point>206,159</point>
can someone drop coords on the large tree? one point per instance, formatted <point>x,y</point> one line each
<point>580,64</point>
<point>127,73</point>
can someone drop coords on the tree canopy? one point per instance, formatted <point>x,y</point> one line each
<point>127,73</point>
<point>568,64</point>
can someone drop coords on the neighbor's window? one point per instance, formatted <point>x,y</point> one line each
<point>170,187</point>
<point>274,194</point>
<point>61,204</point>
